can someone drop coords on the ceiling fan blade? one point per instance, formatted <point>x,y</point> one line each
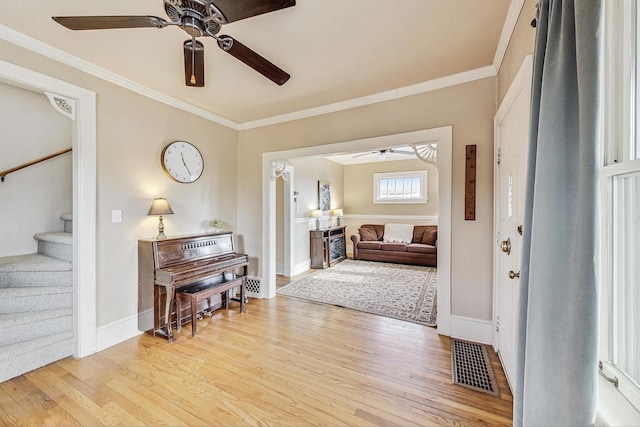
<point>408,153</point>
<point>364,154</point>
<point>109,22</point>
<point>253,60</point>
<point>235,10</point>
<point>193,63</point>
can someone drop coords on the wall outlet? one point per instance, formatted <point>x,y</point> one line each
<point>116,216</point>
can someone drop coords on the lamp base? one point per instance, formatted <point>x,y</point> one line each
<point>161,234</point>
<point>317,224</point>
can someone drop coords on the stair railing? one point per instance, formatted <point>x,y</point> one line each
<point>4,173</point>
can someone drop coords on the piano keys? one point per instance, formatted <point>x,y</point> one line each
<point>167,265</point>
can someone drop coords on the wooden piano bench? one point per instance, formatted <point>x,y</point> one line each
<point>201,290</point>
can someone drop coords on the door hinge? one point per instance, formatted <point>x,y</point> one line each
<point>497,324</point>
<point>499,155</point>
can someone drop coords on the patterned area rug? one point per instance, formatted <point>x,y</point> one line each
<point>404,292</point>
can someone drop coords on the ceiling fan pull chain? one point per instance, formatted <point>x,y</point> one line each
<point>193,56</point>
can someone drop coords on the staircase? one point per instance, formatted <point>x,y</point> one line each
<point>36,304</point>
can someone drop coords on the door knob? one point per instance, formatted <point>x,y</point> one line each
<point>513,274</point>
<point>505,246</point>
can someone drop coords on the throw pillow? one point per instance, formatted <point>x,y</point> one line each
<point>368,234</point>
<point>429,237</point>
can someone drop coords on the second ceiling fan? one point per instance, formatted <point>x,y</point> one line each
<point>198,18</point>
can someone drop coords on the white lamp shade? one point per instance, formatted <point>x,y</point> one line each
<point>337,212</point>
<point>316,213</point>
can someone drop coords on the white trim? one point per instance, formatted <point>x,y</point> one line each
<point>63,105</point>
<point>444,136</point>
<point>521,82</point>
<point>84,196</point>
<point>471,329</point>
<point>428,86</point>
<point>22,40</point>
<point>19,39</point>
<point>305,220</point>
<point>302,266</point>
<point>268,269</point>
<point>430,218</point>
<point>614,409</point>
<point>288,213</point>
<point>507,32</point>
<point>121,330</point>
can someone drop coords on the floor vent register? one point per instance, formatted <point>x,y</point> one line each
<point>471,367</point>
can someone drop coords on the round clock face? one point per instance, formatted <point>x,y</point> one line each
<point>182,161</point>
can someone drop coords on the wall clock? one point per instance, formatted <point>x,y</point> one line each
<point>182,161</point>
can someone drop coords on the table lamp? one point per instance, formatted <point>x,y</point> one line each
<point>337,213</point>
<point>316,213</point>
<point>160,207</point>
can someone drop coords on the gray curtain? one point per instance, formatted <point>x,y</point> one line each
<point>556,349</point>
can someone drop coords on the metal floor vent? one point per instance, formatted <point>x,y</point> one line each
<point>471,367</point>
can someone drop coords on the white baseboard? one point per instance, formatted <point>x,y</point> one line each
<point>119,331</point>
<point>471,329</point>
<point>302,266</point>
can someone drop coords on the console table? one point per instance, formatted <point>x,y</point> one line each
<point>328,246</point>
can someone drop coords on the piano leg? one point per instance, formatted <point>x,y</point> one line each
<point>243,293</point>
<point>194,314</point>
<point>178,313</point>
<point>167,311</point>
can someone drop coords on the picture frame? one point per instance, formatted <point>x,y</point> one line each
<point>324,196</point>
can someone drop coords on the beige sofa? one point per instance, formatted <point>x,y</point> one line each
<point>369,245</point>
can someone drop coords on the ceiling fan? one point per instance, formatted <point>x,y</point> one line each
<point>198,18</point>
<point>383,153</point>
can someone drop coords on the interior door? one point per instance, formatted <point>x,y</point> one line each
<point>511,142</point>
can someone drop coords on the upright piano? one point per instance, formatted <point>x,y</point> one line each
<point>169,265</point>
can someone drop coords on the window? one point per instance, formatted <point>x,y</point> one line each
<point>400,187</point>
<point>620,201</point>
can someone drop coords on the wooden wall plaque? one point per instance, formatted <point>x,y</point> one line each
<point>470,184</point>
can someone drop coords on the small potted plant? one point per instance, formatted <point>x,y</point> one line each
<point>216,224</point>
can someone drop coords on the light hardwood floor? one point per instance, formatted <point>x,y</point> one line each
<point>284,362</point>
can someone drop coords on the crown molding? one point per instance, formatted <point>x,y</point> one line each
<point>22,40</point>
<point>428,86</point>
<point>36,46</point>
<point>515,8</point>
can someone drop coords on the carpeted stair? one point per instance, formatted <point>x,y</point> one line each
<point>36,304</point>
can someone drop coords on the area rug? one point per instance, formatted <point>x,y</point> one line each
<point>404,292</point>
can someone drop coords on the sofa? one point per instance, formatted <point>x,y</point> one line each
<point>417,246</point>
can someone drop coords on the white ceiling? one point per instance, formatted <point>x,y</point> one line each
<point>402,152</point>
<point>335,50</point>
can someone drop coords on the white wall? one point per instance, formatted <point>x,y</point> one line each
<point>33,198</point>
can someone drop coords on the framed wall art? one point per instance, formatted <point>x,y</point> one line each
<point>324,196</point>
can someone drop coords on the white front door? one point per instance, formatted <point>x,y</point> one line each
<point>511,145</point>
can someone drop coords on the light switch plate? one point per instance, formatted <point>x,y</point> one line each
<point>116,216</point>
